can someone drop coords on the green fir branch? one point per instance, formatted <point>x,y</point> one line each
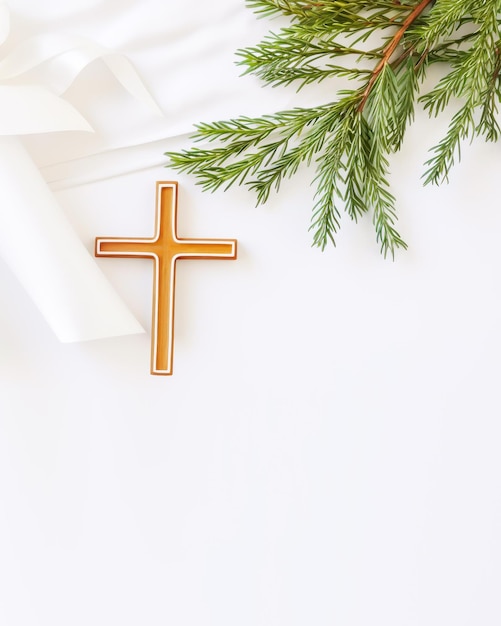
<point>383,49</point>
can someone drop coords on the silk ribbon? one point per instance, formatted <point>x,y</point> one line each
<point>36,239</point>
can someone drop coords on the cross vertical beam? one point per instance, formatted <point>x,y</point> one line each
<point>165,248</point>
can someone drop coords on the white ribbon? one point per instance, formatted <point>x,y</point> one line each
<point>49,259</point>
<point>36,240</point>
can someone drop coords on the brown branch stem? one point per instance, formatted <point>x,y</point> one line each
<point>497,66</point>
<point>390,49</point>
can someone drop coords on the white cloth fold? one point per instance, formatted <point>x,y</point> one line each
<point>70,55</point>
<point>36,240</point>
<point>52,264</point>
<point>187,59</point>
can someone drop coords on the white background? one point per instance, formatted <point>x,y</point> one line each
<point>327,450</point>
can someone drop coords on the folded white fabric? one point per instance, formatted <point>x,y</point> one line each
<point>45,254</point>
<point>185,54</point>
<point>36,240</point>
<point>181,54</point>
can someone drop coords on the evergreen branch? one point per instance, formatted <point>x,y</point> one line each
<point>357,161</point>
<point>488,124</point>
<point>271,7</point>
<point>329,126</point>
<point>407,91</point>
<point>325,220</point>
<point>307,74</point>
<point>444,154</point>
<point>384,47</point>
<point>472,77</point>
<point>382,119</point>
<point>444,18</point>
<point>292,49</point>
<point>341,10</point>
<point>218,166</point>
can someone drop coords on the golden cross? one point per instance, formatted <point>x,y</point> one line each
<point>165,248</point>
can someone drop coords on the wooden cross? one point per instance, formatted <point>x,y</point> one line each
<point>165,248</point>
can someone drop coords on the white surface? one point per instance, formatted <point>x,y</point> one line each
<point>327,451</point>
